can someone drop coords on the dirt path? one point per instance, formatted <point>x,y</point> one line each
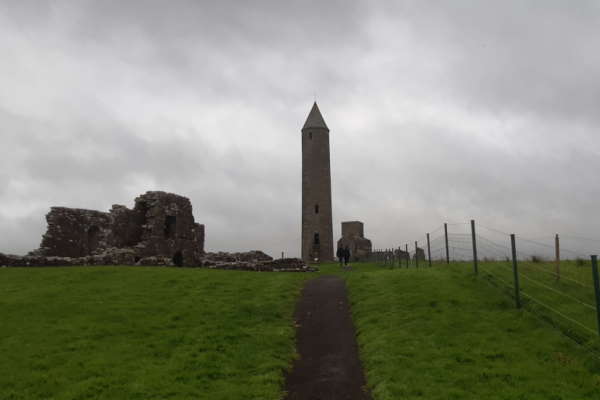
<point>328,368</point>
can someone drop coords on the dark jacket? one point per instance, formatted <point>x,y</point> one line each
<point>340,253</point>
<point>347,254</point>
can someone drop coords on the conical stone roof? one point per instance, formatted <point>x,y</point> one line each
<point>315,119</point>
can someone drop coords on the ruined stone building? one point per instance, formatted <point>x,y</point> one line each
<point>160,229</point>
<point>419,254</point>
<point>401,254</point>
<point>317,225</point>
<point>353,236</point>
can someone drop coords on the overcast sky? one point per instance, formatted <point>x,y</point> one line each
<point>438,111</point>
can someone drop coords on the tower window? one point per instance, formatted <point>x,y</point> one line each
<point>316,208</point>
<point>310,135</point>
<point>316,239</point>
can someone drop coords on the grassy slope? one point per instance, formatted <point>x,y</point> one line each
<point>441,334</point>
<point>144,333</point>
<point>572,295</point>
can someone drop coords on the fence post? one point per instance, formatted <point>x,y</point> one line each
<point>474,246</point>
<point>428,250</point>
<point>407,255</point>
<point>596,287</point>
<point>557,251</point>
<point>515,270</point>
<point>387,256</point>
<point>446,237</point>
<point>416,255</point>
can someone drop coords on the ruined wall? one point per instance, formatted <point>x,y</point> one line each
<point>161,225</point>
<point>169,228</point>
<point>126,226</point>
<point>74,232</point>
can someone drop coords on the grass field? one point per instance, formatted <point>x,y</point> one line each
<point>176,333</point>
<point>440,333</point>
<point>145,333</point>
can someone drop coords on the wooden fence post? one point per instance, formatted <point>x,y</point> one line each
<point>474,246</point>
<point>515,270</point>
<point>557,256</point>
<point>446,236</point>
<point>416,255</point>
<point>429,249</point>
<point>596,288</point>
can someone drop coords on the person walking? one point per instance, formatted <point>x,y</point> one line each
<point>340,255</point>
<point>346,256</point>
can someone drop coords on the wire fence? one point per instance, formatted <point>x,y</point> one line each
<point>551,277</point>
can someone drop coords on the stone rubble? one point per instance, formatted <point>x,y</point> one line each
<point>227,261</point>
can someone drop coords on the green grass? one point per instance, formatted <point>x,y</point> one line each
<point>145,333</point>
<point>159,333</point>
<point>567,303</point>
<point>440,333</point>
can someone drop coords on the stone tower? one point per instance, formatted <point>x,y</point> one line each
<point>317,227</point>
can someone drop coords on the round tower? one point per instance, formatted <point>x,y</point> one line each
<point>317,227</point>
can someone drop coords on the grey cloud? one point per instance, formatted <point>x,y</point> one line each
<point>438,111</point>
<point>519,57</point>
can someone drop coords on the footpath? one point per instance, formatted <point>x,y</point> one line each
<point>328,367</point>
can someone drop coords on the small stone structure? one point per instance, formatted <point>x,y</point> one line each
<point>353,237</point>
<point>419,254</point>
<point>401,254</point>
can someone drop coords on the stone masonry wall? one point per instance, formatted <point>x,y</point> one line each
<point>160,225</point>
<point>74,232</point>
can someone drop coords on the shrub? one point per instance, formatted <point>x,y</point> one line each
<point>536,259</point>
